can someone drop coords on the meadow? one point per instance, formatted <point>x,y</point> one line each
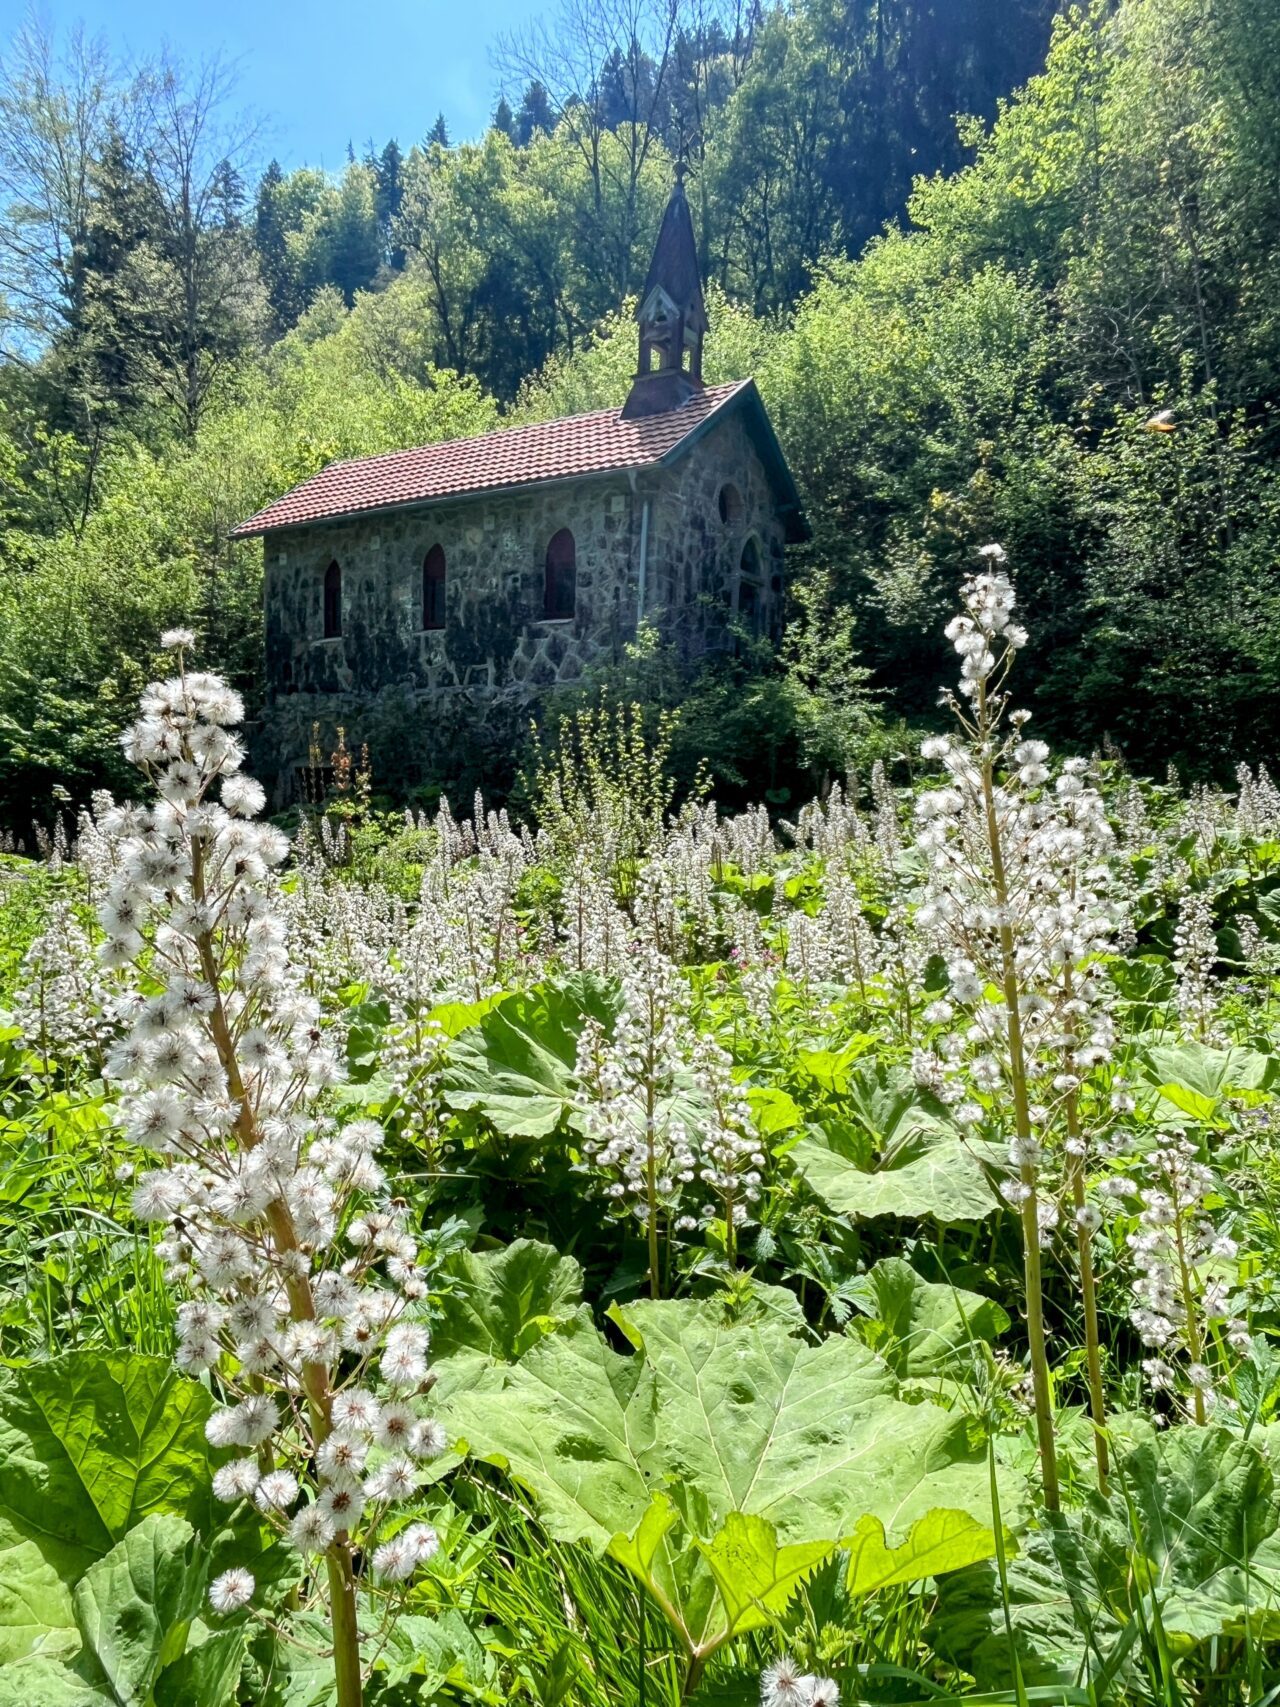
<point>641,1255</point>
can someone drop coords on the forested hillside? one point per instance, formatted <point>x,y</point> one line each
<point>1050,322</point>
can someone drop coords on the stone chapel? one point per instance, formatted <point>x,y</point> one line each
<point>494,566</point>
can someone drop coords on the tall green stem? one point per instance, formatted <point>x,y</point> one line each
<point>651,1160</point>
<point>1084,1258</point>
<point>1195,1345</point>
<point>1022,1125</point>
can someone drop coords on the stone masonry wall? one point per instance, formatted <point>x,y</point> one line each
<point>496,646</point>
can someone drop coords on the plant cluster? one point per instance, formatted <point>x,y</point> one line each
<point>646,1254</point>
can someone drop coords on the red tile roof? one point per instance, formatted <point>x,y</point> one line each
<point>576,445</point>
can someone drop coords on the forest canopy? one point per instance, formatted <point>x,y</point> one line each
<point>999,274</point>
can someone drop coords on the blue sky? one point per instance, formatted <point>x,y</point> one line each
<point>321,72</point>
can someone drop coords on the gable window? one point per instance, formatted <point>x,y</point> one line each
<point>332,602</point>
<point>561,587</point>
<point>729,504</point>
<point>433,582</point>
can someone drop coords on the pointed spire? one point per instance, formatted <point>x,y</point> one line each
<point>672,315</point>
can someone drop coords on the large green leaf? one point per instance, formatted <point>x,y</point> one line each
<point>1207,1545</point>
<point>516,1066</point>
<point>920,1327</point>
<point>501,1302</point>
<point>1054,1617</point>
<point>720,1419</point>
<point>36,1615</point>
<point>91,1443</point>
<point>134,1611</point>
<point>897,1154</point>
<point>1188,1542</point>
<point>563,1420</point>
<point>436,1652</point>
<point>755,1577</point>
<point>41,1682</point>
<point>938,1542</point>
<point>932,1173</point>
<point>1193,1077</point>
<point>207,1673</point>
<point>135,1606</point>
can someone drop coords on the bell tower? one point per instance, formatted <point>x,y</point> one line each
<point>672,317</point>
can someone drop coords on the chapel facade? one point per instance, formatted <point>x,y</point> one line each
<point>450,577</point>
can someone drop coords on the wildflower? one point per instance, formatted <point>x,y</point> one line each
<point>1016,899</point>
<point>236,1480</point>
<point>277,1491</point>
<point>782,1684</point>
<point>358,1412</point>
<point>342,1455</point>
<point>422,1541</point>
<point>393,1561</point>
<point>394,1480</point>
<point>231,1591</point>
<point>427,1439</point>
<point>312,1529</point>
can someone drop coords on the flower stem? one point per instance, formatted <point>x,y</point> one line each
<point>1093,1354</point>
<point>1084,1250</point>
<point>346,1633</point>
<point>1022,1124</point>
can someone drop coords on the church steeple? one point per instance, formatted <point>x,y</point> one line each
<point>672,316</point>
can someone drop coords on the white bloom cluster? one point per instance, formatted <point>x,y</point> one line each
<point>732,1161</point>
<point>1181,1300</point>
<point>305,1280</point>
<point>65,1005</point>
<point>783,1684</point>
<point>1195,953</point>
<point>1257,804</point>
<point>594,931</point>
<point>984,634</point>
<point>1020,901</point>
<point>635,1131</point>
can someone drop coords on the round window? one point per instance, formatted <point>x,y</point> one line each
<point>730,502</point>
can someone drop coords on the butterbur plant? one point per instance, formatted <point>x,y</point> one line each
<point>1017,900</point>
<point>636,1140</point>
<point>304,1289</point>
<point>1182,1308</point>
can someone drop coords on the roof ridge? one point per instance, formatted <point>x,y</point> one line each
<point>726,386</point>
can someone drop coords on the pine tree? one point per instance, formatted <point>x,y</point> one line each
<point>273,252</point>
<point>439,132</point>
<point>388,195</point>
<point>535,114</point>
<point>503,119</point>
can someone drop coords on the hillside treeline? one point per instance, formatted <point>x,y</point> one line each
<point>976,256</point>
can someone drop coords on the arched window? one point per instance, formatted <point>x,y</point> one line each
<point>433,588</point>
<point>749,585</point>
<point>730,504</point>
<point>561,590</point>
<point>332,602</point>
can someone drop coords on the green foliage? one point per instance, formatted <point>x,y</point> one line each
<point>92,1443</point>
<point>1183,1553</point>
<point>892,1154</point>
<point>106,1520</point>
<point>721,1463</point>
<point>921,1328</point>
<point>517,1064</point>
